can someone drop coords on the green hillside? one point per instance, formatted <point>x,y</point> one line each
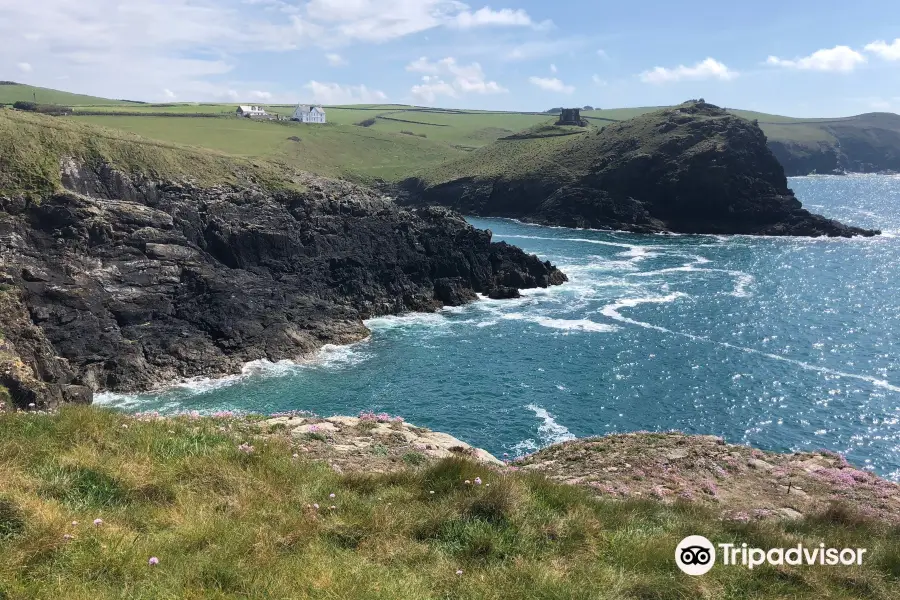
<point>16,92</point>
<point>358,153</point>
<point>31,147</point>
<point>391,141</point>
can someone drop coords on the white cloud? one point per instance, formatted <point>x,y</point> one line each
<point>259,95</point>
<point>553,68</point>
<point>885,50</point>
<point>335,93</point>
<point>382,20</point>
<point>598,80</point>
<point>706,69</point>
<point>446,77</point>
<point>505,17</point>
<point>336,60</point>
<point>842,59</point>
<point>169,94</point>
<point>189,45</point>
<point>602,54</point>
<point>551,84</point>
<point>25,67</point>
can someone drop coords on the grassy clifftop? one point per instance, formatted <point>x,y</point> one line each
<point>232,510</point>
<point>31,147</point>
<point>11,93</point>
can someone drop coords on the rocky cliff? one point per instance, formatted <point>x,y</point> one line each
<point>868,143</point>
<point>123,282</point>
<point>694,168</point>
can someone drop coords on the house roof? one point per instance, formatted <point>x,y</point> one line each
<point>306,108</point>
<point>245,108</point>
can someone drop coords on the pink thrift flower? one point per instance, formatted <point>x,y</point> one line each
<point>316,506</point>
<point>153,561</point>
<point>98,522</point>
<point>478,481</point>
<point>459,572</point>
<point>331,495</point>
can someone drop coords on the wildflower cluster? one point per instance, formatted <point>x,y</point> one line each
<point>246,448</point>
<point>371,417</point>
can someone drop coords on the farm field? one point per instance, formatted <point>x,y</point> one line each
<point>390,142</point>
<point>348,151</point>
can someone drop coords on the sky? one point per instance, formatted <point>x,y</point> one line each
<point>791,57</point>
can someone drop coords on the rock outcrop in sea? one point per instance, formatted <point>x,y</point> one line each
<point>694,168</point>
<point>123,282</point>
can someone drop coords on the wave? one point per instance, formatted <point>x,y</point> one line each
<point>330,357</point>
<point>742,280</point>
<point>563,324</point>
<point>550,431</point>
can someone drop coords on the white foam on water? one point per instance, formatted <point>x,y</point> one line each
<point>612,311</point>
<point>629,247</point>
<point>563,324</point>
<point>742,280</point>
<point>407,320</point>
<point>550,431</point>
<point>329,356</point>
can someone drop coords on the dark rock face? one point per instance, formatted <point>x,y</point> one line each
<point>123,284</point>
<point>691,169</point>
<point>864,144</point>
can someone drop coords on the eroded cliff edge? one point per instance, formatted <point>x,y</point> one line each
<point>123,282</point>
<point>694,168</point>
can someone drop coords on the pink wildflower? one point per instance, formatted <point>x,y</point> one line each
<point>153,561</point>
<point>316,506</point>
<point>478,481</point>
<point>246,448</point>
<point>98,522</point>
<point>459,572</point>
<point>331,495</point>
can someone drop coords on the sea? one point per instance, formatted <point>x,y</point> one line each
<point>785,344</point>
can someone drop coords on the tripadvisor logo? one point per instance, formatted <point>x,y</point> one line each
<point>696,555</point>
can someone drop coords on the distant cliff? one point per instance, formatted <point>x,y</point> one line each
<point>694,168</point>
<point>868,143</point>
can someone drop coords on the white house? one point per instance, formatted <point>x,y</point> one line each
<point>251,111</point>
<point>309,114</point>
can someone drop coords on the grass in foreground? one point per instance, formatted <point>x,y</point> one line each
<point>230,523</point>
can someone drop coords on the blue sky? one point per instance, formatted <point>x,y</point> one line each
<point>797,57</point>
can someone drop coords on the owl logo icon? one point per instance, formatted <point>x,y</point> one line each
<point>695,555</point>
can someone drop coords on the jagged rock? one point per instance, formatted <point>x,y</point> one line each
<point>694,168</point>
<point>124,283</point>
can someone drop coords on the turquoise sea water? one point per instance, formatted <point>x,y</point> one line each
<point>782,343</point>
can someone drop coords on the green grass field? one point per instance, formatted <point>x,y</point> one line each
<point>10,94</point>
<point>334,150</point>
<point>401,140</point>
<point>223,523</point>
